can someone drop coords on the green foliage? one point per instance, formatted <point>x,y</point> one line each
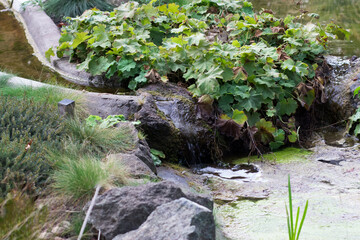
<point>27,128</point>
<point>294,230</point>
<point>354,120</point>
<point>250,63</point>
<point>110,121</point>
<point>156,155</point>
<point>72,8</point>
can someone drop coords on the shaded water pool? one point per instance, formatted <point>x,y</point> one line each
<point>16,55</point>
<point>345,13</point>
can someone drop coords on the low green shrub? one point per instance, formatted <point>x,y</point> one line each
<point>27,129</point>
<point>354,120</point>
<point>258,68</point>
<point>73,8</point>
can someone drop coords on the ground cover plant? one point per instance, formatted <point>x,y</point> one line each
<point>26,131</point>
<point>258,68</point>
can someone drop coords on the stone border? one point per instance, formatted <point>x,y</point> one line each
<point>42,34</point>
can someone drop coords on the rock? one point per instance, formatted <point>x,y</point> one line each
<point>103,105</point>
<point>170,119</point>
<point>181,219</point>
<point>121,210</point>
<point>61,228</point>
<point>340,88</point>
<point>46,235</point>
<point>138,162</point>
<point>136,167</point>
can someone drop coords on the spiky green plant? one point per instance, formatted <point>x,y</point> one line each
<point>74,8</point>
<point>294,230</point>
<point>27,129</point>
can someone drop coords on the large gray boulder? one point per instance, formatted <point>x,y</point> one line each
<point>121,210</point>
<point>180,219</point>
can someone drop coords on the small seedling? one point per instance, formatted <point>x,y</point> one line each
<point>294,231</point>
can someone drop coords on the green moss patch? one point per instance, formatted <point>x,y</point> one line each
<point>285,155</point>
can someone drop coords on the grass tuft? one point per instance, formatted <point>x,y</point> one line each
<point>98,140</point>
<point>78,178</point>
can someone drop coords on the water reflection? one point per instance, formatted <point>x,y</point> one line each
<point>346,13</point>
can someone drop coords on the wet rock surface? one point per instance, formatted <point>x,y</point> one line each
<point>169,118</point>
<point>345,78</point>
<point>181,219</point>
<point>121,210</point>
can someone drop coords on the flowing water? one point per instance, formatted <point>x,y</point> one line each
<point>345,13</point>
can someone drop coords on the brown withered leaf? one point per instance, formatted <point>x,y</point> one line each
<point>213,9</point>
<point>258,33</point>
<point>303,88</point>
<point>282,55</point>
<point>240,70</point>
<point>268,11</point>
<point>277,29</point>
<point>153,76</point>
<point>229,128</point>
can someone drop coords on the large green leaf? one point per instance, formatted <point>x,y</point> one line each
<point>286,106</point>
<point>99,65</point>
<point>239,117</point>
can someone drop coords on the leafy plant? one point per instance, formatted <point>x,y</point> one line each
<point>355,118</point>
<point>109,121</point>
<point>293,228</point>
<point>72,8</point>
<point>156,155</point>
<point>248,62</point>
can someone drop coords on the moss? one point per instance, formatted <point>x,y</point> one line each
<point>285,155</point>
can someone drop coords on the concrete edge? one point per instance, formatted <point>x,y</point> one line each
<point>42,33</point>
